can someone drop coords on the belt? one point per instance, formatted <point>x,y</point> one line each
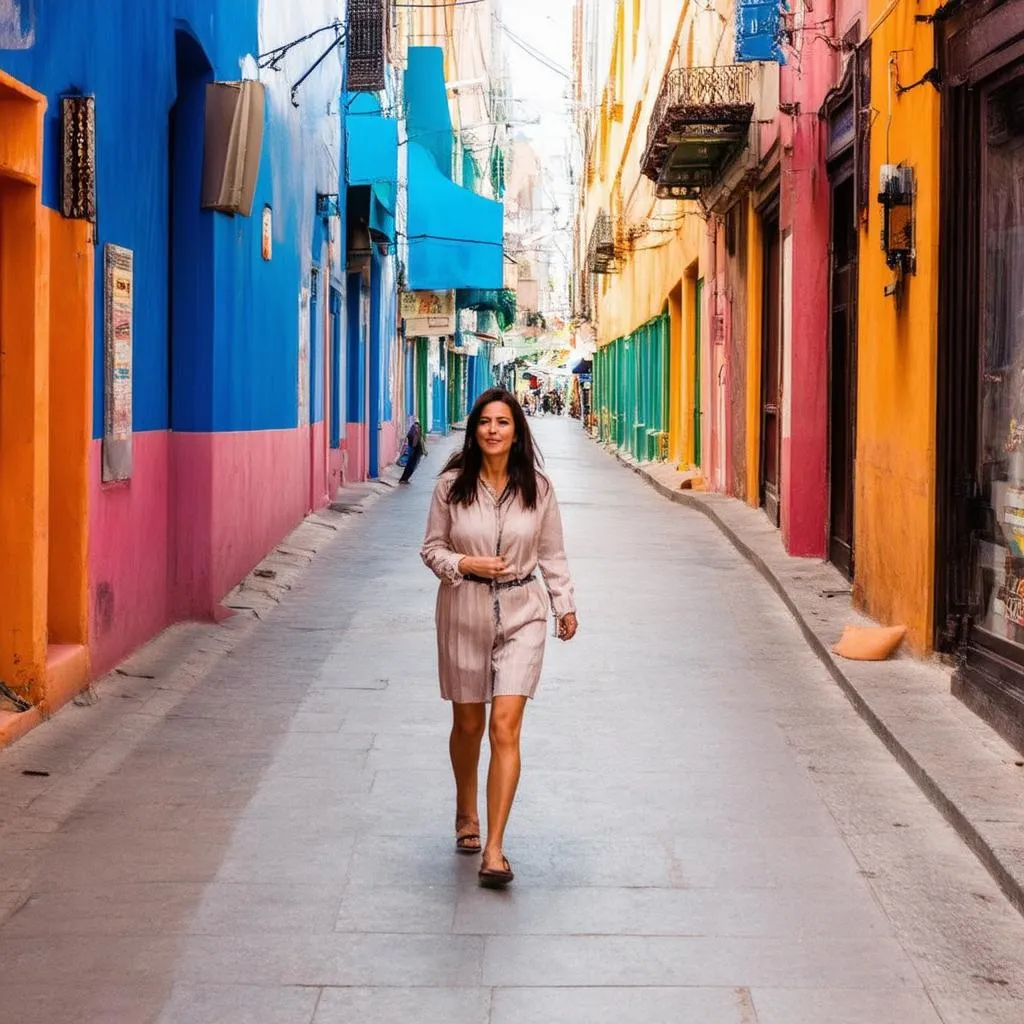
<point>501,584</point>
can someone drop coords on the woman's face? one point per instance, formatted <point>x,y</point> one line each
<point>496,431</point>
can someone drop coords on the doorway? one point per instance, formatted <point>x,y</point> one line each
<point>336,389</point>
<point>771,369</point>
<point>698,412</point>
<point>843,373</point>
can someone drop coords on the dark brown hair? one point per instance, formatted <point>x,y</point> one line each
<point>524,460</point>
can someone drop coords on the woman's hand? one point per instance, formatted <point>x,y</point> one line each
<point>488,568</point>
<point>567,626</point>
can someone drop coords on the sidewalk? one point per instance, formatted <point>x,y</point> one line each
<point>198,645</point>
<point>968,772</point>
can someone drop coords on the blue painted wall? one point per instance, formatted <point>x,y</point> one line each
<point>236,356</point>
<point>355,352</point>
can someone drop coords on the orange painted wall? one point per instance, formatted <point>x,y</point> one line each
<point>72,269</point>
<point>24,370</point>
<point>896,407</point>
<point>46,336</point>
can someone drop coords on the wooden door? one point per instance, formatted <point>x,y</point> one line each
<point>842,376</point>
<point>698,413</point>
<point>771,372</point>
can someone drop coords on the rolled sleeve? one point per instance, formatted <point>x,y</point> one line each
<point>436,551</point>
<point>551,558</point>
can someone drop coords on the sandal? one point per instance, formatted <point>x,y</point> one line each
<point>496,878</point>
<point>467,837</point>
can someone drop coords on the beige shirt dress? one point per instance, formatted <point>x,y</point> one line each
<point>490,639</point>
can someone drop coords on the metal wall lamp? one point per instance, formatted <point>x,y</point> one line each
<point>896,197</point>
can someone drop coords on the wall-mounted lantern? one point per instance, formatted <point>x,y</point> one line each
<point>896,196</point>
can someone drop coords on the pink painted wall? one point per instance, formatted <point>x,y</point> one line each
<point>335,470</point>
<point>806,212</point>
<point>235,496</point>
<point>198,513</point>
<point>391,437</point>
<point>356,452</point>
<point>320,467</point>
<point>128,551</point>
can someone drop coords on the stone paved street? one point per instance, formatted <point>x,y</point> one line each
<point>705,832</point>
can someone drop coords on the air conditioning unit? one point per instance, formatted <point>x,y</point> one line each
<point>232,145</point>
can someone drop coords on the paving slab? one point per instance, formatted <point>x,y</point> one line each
<point>255,825</point>
<point>964,767</point>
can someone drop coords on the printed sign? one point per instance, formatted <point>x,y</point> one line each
<point>428,304</point>
<point>117,343</point>
<point>428,314</point>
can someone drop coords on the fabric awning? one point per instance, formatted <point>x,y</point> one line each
<point>455,237</point>
<point>372,159</point>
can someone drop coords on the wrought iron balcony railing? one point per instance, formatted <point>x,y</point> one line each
<point>699,120</point>
<point>602,251</point>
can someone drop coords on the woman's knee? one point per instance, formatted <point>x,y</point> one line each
<point>505,730</point>
<point>469,720</point>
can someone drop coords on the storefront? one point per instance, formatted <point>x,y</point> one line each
<point>980,525</point>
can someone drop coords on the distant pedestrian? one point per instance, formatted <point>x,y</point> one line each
<point>493,522</point>
<point>416,448</point>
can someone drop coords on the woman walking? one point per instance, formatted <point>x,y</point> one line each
<point>493,522</point>
<point>416,447</point>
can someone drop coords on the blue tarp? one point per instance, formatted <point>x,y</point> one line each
<point>455,236</point>
<point>372,158</point>
<point>427,119</point>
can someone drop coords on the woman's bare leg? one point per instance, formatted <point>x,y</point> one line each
<point>503,774</point>
<point>468,722</point>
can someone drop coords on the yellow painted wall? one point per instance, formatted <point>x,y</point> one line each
<point>755,302</point>
<point>896,402</point>
<point>660,241</point>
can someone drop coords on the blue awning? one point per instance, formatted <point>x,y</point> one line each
<point>371,153</point>
<point>455,236</point>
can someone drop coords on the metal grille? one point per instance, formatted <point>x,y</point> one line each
<point>366,45</point>
<point>78,152</point>
<point>602,254</point>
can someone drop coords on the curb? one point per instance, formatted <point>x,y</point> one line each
<point>1009,880</point>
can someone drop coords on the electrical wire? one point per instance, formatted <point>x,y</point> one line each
<point>531,51</point>
<point>450,3</point>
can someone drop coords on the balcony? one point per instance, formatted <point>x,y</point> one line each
<point>602,251</point>
<point>700,121</point>
<point>367,45</point>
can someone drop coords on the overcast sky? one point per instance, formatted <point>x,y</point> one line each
<point>545,26</point>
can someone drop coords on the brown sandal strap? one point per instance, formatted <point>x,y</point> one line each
<point>468,830</point>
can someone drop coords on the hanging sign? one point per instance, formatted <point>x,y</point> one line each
<point>758,32</point>
<point>428,314</point>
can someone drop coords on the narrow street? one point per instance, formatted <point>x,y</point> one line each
<point>705,831</point>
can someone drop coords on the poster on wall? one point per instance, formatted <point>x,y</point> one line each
<point>117,348</point>
<point>428,314</point>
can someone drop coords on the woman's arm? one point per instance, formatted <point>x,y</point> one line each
<point>436,552</point>
<point>554,566</point>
